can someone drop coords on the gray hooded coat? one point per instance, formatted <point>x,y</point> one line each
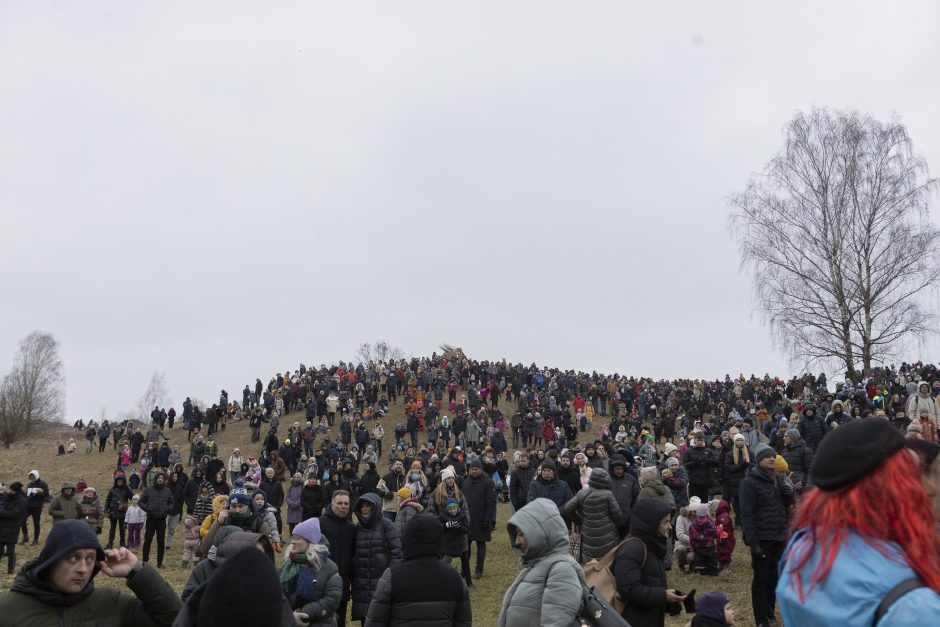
<point>547,592</point>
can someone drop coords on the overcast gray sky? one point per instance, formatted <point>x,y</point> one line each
<point>221,190</point>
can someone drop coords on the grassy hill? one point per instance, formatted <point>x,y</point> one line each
<point>502,565</point>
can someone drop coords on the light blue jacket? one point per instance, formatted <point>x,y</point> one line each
<point>849,596</point>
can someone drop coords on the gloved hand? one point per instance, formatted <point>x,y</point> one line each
<point>757,551</point>
<point>450,524</point>
<point>301,619</point>
<point>278,547</point>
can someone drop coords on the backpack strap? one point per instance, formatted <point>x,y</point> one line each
<point>631,539</point>
<point>894,594</point>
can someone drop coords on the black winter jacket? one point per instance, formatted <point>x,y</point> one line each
<point>520,479</point>
<point>765,500</point>
<point>341,533</point>
<point>556,491</point>
<point>638,567</point>
<point>699,463</point>
<point>157,502</point>
<point>422,591</point>
<point>800,460</point>
<point>479,493</point>
<point>733,475</point>
<point>378,546</point>
<point>11,516</point>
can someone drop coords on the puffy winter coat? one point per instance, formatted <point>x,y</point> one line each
<point>12,514</point>
<point>479,493</point>
<point>378,546</point>
<point>600,516</point>
<point>157,502</point>
<point>92,511</point>
<point>555,491</point>
<point>117,495</point>
<point>656,490</point>
<point>422,591</point>
<point>800,460</point>
<point>734,474</point>
<point>625,489</point>
<point>638,567</point>
<point>699,462</point>
<point>454,539</point>
<point>406,512</point>
<point>923,400</point>
<point>811,427</point>
<point>327,594</point>
<point>547,592</point>
<point>341,534</point>
<point>765,500</point>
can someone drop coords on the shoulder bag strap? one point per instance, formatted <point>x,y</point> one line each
<point>894,594</point>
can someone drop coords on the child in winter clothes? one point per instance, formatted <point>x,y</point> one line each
<point>683,547</point>
<point>726,540</point>
<point>704,539</point>
<point>408,509</point>
<point>134,517</point>
<point>219,502</point>
<point>454,542</point>
<point>190,541</point>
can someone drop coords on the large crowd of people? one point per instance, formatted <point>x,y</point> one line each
<point>646,475</point>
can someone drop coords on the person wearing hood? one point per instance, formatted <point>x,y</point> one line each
<point>12,513</point>
<point>837,416</point>
<point>37,494</point>
<point>259,501</point>
<point>765,502</point>
<point>57,588</point>
<point>399,599</point>
<point>924,400</point>
<point>639,566</point>
<point>310,580</point>
<point>235,461</point>
<point>205,504</point>
<point>369,481</point>
<point>799,459</point>
<point>713,609</point>
<point>625,487</point>
<point>156,501</point>
<point>811,427</point>
<point>91,509</point>
<point>378,546</point>
<point>408,509</point>
<point>600,516</point>
<point>548,590</point>
<point>64,506</point>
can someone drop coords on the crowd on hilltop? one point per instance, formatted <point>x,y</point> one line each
<point>636,474</point>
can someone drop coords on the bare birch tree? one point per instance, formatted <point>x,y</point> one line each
<point>836,233</point>
<point>33,391</point>
<point>383,351</point>
<point>157,394</point>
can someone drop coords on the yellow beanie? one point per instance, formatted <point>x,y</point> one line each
<point>404,493</point>
<point>780,465</point>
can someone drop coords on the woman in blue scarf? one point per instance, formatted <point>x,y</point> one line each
<point>310,579</point>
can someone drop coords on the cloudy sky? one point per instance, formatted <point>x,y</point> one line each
<point>223,190</point>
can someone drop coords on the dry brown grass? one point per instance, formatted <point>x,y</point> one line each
<point>501,564</point>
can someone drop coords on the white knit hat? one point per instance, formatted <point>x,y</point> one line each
<point>448,472</point>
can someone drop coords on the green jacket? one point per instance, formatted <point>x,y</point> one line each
<point>65,507</point>
<point>31,603</point>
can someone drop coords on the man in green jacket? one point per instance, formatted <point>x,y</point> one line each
<point>57,588</point>
<point>65,506</point>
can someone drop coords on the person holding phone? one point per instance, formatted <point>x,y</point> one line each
<point>57,587</point>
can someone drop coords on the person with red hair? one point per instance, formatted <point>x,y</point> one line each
<point>865,549</point>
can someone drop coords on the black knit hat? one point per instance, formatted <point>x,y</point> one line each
<point>852,451</point>
<point>550,465</point>
<point>263,606</point>
<point>422,537</point>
